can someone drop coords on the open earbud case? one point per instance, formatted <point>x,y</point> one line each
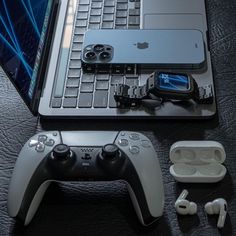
<point>197,161</point>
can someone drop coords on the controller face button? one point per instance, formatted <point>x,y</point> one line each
<point>40,147</point>
<point>123,142</point>
<point>42,138</point>
<point>33,143</point>
<point>49,142</point>
<point>145,143</point>
<point>134,136</point>
<point>134,149</point>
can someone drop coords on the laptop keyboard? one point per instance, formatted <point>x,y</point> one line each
<point>95,90</point>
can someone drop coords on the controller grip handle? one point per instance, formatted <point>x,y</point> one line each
<point>147,199</point>
<point>35,202</point>
<point>29,204</point>
<point>30,177</point>
<point>142,209</point>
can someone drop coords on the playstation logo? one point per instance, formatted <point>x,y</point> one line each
<point>143,45</point>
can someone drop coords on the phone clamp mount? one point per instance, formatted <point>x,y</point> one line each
<point>163,86</point>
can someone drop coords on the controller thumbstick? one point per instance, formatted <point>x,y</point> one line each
<point>110,152</point>
<point>61,152</point>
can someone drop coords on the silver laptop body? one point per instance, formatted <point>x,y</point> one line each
<point>65,79</point>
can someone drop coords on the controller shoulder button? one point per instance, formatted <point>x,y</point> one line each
<point>134,149</point>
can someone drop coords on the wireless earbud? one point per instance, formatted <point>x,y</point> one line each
<point>183,206</point>
<point>218,206</point>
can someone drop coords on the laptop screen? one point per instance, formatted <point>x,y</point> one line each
<point>23,25</point>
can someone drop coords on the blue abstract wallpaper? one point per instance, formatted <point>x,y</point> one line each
<point>173,82</point>
<point>21,25</point>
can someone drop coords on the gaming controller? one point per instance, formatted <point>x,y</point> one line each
<point>87,155</point>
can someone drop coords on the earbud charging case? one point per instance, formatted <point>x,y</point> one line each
<point>197,161</point>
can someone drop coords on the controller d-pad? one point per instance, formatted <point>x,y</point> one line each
<point>40,147</point>
<point>49,142</point>
<point>41,142</point>
<point>33,143</point>
<point>42,138</point>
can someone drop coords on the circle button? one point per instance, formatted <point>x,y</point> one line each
<point>134,149</point>
<point>145,143</point>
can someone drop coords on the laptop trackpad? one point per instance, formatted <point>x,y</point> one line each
<point>173,21</point>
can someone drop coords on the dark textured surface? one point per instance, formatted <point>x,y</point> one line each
<point>105,208</point>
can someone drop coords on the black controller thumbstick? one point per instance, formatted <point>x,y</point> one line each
<point>111,158</point>
<point>110,152</point>
<point>61,152</point>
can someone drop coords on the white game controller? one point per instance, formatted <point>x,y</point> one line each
<point>86,155</point>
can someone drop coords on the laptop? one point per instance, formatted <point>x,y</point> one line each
<point>40,51</point>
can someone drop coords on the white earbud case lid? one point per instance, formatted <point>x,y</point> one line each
<point>197,152</point>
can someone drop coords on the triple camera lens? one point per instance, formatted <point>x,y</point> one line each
<point>98,51</point>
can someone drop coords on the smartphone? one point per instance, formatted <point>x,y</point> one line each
<point>149,49</point>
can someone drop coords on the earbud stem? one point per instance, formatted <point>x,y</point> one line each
<point>221,221</point>
<point>183,195</point>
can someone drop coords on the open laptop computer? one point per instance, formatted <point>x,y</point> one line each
<point>40,50</point>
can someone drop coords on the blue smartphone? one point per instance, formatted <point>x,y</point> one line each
<point>150,49</point>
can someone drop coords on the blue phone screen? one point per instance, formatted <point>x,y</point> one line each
<point>174,82</point>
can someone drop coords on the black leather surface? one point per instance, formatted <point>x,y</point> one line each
<point>105,208</point>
